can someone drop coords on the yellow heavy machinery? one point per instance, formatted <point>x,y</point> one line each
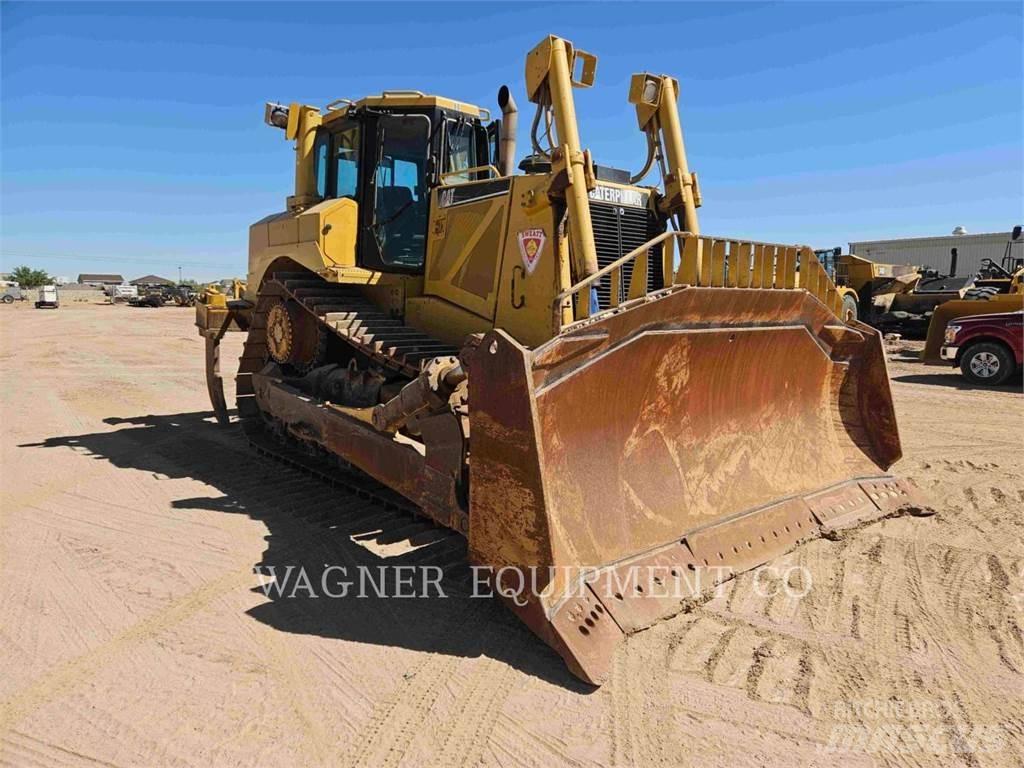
<point>1004,287</point>
<point>837,267</point>
<point>557,364</point>
<point>894,297</point>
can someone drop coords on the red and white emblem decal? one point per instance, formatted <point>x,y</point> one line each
<point>531,243</point>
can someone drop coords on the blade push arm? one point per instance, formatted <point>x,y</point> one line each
<point>657,110</point>
<point>549,82</point>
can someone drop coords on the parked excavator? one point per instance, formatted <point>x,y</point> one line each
<point>556,364</point>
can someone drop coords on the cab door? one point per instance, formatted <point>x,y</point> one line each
<point>393,218</point>
<point>468,222</point>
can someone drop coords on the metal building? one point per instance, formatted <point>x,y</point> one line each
<point>99,281</point>
<point>934,252</point>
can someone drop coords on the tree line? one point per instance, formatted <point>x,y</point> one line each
<point>27,277</point>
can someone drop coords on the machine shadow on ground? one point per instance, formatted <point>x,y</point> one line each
<point>312,527</point>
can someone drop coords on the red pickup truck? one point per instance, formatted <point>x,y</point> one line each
<point>987,348</point>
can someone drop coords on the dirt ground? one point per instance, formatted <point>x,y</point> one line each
<point>134,632</point>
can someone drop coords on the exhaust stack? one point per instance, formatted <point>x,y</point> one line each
<point>952,262</point>
<point>509,125</point>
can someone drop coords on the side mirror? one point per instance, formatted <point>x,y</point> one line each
<point>1016,233</point>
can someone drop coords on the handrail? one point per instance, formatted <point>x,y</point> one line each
<point>705,261</point>
<point>474,169</point>
<point>482,112</point>
<point>615,265</point>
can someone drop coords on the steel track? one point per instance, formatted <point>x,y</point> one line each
<point>447,548</point>
<point>341,310</point>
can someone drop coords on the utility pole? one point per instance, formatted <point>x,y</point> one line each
<point>179,274</point>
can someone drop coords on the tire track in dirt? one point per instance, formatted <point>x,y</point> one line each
<point>32,751</point>
<point>320,748</point>
<point>465,734</point>
<point>711,662</point>
<point>621,732</point>
<point>736,655</point>
<point>398,719</point>
<point>908,619</point>
<point>767,667</point>
<point>69,674</point>
<point>999,586</point>
<point>632,734</point>
<point>761,654</point>
<point>640,734</point>
<point>900,620</point>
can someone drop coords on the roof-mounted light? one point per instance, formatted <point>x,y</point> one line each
<point>275,115</point>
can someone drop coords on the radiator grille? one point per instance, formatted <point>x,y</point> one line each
<point>618,229</point>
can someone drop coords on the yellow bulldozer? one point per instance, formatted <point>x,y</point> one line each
<point>557,364</point>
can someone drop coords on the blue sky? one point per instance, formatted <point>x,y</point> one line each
<point>132,134</point>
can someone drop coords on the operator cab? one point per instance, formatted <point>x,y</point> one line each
<point>387,153</point>
<point>829,258</point>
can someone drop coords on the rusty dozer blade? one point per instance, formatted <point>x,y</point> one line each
<point>652,452</point>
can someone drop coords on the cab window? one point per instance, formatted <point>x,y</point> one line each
<point>336,162</point>
<point>461,152</point>
<point>320,149</point>
<point>346,159</point>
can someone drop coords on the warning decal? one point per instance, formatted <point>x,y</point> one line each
<point>531,243</point>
